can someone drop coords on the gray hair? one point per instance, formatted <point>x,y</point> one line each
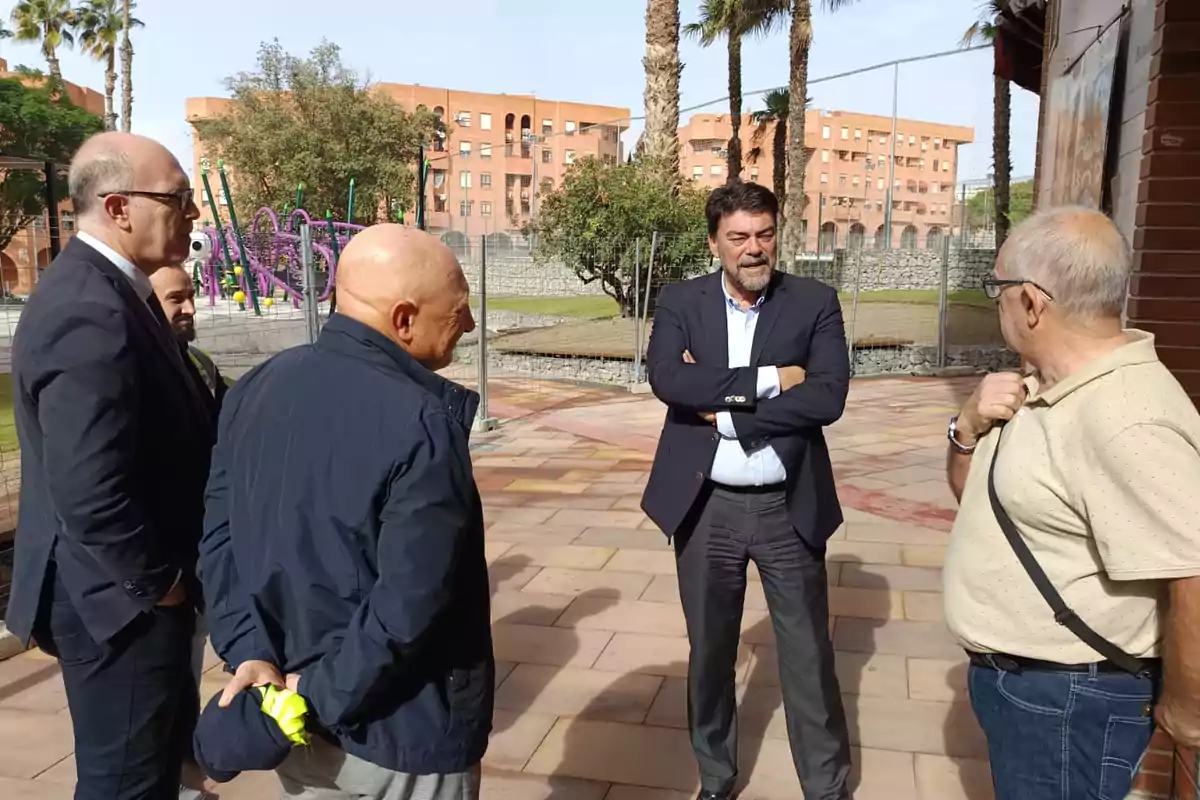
<point>1077,255</point>
<point>107,170</point>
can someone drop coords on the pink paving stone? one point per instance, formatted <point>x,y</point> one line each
<point>567,691</point>
<point>599,519</point>
<point>505,785</point>
<point>941,778</point>
<point>35,790</point>
<point>594,583</point>
<point>538,644</point>
<point>575,502</point>
<point>528,608</point>
<point>515,737</point>
<point>890,576</point>
<point>32,742</point>
<point>623,616</point>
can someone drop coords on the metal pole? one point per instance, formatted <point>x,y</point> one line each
<point>650,276</point>
<point>309,277</point>
<point>943,304</point>
<point>482,421</point>
<point>216,214</point>
<point>637,317</point>
<point>52,219</point>
<point>887,219</point>
<point>962,222</point>
<point>854,313</point>
<point>241,244</point>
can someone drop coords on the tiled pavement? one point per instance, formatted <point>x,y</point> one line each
<point>590,636</point>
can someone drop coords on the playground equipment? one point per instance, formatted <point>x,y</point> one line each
<point>263,263</point>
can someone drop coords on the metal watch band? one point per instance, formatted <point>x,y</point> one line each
<point>952,436</point>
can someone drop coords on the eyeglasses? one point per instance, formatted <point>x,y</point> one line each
<point>180,198</point>
<point>992,287</point>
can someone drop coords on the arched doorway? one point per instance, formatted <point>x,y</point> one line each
<point>499,245</point>
<point>856,237</point>
<point>933,238</point>
<point>43,258</point>
<point>9,274</point>
<point>908,238</point>
<point>827,239</point>
<point>880,237</point>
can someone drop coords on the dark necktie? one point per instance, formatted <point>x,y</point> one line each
<point>157,310</point>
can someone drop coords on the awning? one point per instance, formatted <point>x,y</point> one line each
<point>1020,30</point>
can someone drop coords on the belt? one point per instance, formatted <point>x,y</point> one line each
<point>774,488</point>
<point>1018,664</point>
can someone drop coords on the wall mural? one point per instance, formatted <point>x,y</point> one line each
<point>1080,103</point>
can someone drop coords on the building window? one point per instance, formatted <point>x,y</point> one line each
<point>485,122</point>
<point>570,127</point>
<point>912,140</point>
<point>845,133</point>
<point>485,150</point>
<point>945,166</point>
<point>924,143</point>
<point>855,181</point>
<point>824,156</point>
<point>879,184</point>
<point>568,156</point>
<point>464,179</point>
<point>824,131</point>
<point>464,149</point>
<point>547,185</point>
<point>485,180</point>
<point>937,143</point>
<point>716,169</point>
<point>547,155</point>
<point>754,173</point>
<point>697,173</point>
<point>824,177</point>
<point>547,126</point>
<point>841,180</point>
<point>857,134</point>
<point>463,118</point>
<point>883,140</point>
<point>464,208</point>
<point>485,209</point>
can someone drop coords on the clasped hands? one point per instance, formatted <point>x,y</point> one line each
<point>788,377</point>
<point>257,673</point>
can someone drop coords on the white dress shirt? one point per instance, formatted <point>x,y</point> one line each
<point>733,466</point>
<point>141,283</point>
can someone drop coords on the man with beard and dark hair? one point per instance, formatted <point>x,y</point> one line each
<point>176,291</point>
<point>752,364</point>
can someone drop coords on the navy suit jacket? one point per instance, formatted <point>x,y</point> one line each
<point>115,442</point>
<point>800,324</point>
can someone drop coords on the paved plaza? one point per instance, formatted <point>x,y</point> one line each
<point>588,629</point>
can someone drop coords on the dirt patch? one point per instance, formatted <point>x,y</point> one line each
<point>876,325</point>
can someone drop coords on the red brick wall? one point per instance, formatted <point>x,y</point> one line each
<point>1164,295</point>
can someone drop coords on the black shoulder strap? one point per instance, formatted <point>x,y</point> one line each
<point>1063,614</point>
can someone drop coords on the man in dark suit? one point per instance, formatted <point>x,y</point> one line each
<point>115,435</point>
<point>751,365</point>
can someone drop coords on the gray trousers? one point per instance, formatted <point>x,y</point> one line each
<point>732,529</point>
<point>323,771</point>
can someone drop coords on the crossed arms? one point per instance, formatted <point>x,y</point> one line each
<point>816,399</point>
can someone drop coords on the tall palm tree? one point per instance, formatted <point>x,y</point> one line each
<point>50,22</point>
<point>733,19</point>
<point>5,33</point>
<point>984,30</point>
<point>799,40</point>
<point>662,68</point>
<point>773,118</point>
<point>126,67</point>
<point>100,26</point>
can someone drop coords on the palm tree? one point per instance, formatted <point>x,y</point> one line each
<point>774,118</point>
<point>733,19</point>
<point>100,25</point>
<point>984,30</point>
<point>50,22</point>
<point>5,33</point>
<point>799,40</point>
<point>126,67</point>
<point>662,68</point>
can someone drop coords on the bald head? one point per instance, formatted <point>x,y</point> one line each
<point>111,162</point>
<point>1076,254</point>
<point>407,285</point>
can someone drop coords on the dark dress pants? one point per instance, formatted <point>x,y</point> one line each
<point>732,528</point>
<point>133,699</point>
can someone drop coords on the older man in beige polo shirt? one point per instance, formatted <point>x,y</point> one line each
<point>1099,474</point>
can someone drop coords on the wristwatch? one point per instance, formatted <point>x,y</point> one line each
<point>952,435</point>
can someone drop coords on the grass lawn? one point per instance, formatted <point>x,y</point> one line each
<point>8,429</point>
<point>592,307</point>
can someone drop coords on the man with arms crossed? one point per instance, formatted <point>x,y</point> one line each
<point>752,364</point>
<point>115,444</point>
<point>343,544</point>
<point>1098,469</point>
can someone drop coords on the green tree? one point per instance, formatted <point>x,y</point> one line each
<point>310,120</point>
<point>799,41</point>
<point>593,220</point>
<point>982,208</point>
<point>48,22</point>
<point>661,64</point>
<point>40,124</point>
<point>100,23</point>
<point>773,118</point>
<point>984,30</point>
<point>733,20</point>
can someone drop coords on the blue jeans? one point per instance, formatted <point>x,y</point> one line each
<point>1062,735</point>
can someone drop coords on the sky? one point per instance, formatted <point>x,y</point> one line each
<point>589,52</point>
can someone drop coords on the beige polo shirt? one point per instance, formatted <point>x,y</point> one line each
<point>1101,475</point>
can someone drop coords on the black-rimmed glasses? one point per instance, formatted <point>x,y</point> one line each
<point>180,198</point>
<point>992,287</point>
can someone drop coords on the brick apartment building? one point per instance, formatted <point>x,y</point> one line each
<point>500,146</point>
<point>30,249</point>
<point>847,175</point>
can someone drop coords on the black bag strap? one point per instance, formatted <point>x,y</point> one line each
<point>1063,614</point>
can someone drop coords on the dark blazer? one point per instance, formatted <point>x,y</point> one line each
<point>800,324</point>
<point>115,442</point>
<point>344,542</point>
